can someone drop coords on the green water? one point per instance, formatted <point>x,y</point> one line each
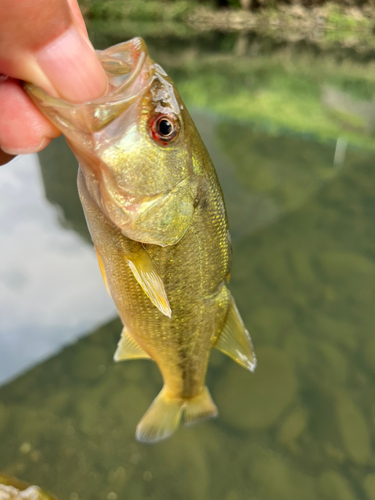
<point>301,208</point>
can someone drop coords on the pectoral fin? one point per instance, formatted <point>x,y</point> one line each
<point>129,349</point>
<point>102,270</point>
<point>234,340</point>
<point>146,274</point>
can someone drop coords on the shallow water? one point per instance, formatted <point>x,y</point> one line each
<point>290,132</point>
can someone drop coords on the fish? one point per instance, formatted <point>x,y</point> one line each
<point>156,214</point>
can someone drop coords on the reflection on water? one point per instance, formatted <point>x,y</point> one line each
<point>58,167</point>
<point>301,427</point>
<point>50,287</point>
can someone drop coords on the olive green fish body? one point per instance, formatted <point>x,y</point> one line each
<point>157,218</point>
<point>193,273</point>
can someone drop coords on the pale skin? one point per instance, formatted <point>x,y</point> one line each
<point>44,42</point>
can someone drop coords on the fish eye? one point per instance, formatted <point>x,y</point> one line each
<point>165,128</point>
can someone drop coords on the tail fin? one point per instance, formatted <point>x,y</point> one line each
<point>164,415</point>
<point>161,419</point>
<point>200,408</point>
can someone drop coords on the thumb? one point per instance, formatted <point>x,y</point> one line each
<point>44,42</point>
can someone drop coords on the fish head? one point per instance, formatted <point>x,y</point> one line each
<point>135,146</point>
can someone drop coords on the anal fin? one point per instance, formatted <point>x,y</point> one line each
<point>234,340</point>
<point>129,349</point>
<point>146,274</point>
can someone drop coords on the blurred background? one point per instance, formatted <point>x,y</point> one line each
<point>283,94</point>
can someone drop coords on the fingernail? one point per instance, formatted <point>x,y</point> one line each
<point>26,151</point>
<point>72,67</point>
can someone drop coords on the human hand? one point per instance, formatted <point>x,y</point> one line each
<point>44,42</point>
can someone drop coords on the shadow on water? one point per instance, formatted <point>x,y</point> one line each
<point>303,276</point>
<point>58,167</point>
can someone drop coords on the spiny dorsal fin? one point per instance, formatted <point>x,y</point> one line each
<point>102,270</point>
<point>234,340</point>
<point>129,349</point>
<point>146,274</point>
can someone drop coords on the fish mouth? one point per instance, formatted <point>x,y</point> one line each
<point>123,64</point>
<point>129,71</point>
<point>101,125</point>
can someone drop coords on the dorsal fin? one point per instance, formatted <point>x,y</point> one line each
<point>146,274</point>
<point>128,348</point>
<point>234,340</point>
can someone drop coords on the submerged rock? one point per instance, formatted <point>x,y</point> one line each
<point>87,364</point>
<point>270,323</point>
<point>354,430</point>
<point>293,426</point>
<point>334,363</point>
<point>370,353</point>
<point>303,267</point>
<point>3,417</point>
<point>268,392</point>
<point>333,485</point>
<point>275,478</point>
<point>298,348</point>
<point>11,493</point>
<point>369,486</point>
<point>343,333</point>
<point>12,489</point>
<point>337,265</point>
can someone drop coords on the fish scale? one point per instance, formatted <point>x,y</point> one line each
<point>156,214</point>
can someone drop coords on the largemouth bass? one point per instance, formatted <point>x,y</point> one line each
<point>156,214</point>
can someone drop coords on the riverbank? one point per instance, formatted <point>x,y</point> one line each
<point>314,81</point>
<point>326,26</point>
<point>331,25</point>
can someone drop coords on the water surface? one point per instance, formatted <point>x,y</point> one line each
<point>290,131</point>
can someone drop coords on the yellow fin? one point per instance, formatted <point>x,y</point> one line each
<point>146,274</point>
<point>199,408</point>
<point>102,270</point>
<point>161,419</point>
<point>129,349</point>
<point>164,415</point>
<point>234,340</point>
